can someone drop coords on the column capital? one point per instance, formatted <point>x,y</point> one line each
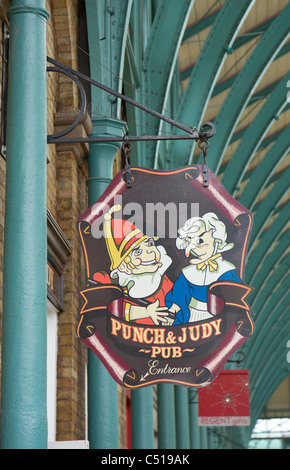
<point>109,126</point>
<point>102,155</point>
<point>36,10</point>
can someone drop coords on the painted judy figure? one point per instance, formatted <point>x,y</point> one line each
<point>204,240</point>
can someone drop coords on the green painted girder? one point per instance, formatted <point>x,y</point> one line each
<point>261,175</point>
<point>158,66</point>
<point>277,379</point>
<point>270,322</point>
<point>273,179</point>
<point>267,206</point>
<point>224,85</point>
<point>275,257</point>
<point>244,84</point>
<point>268,238</point>
<point>268,338</point>
<point>274,280</point>
<point>266,324</point>
<point>200,25</point>
<point>273,370</point>
<point>107,27</point>
<point>239,42</point>
<point>264,144</point>
<point>271,381</point>
<point>254,135</point>
<point>267,342</point>
<point>205,73</point>
<point>267,90</point>
<point>265,295</point>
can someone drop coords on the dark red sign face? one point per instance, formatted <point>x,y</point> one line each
<point>226,402</point>
<point>165,299</point>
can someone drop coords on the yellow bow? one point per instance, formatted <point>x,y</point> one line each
<point>209,262</point>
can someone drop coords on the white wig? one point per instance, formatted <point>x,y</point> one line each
<point>209,221</point>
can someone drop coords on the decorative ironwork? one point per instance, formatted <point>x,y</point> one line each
<point>191,132</point>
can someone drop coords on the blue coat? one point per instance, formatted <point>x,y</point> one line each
<point>183,291</point>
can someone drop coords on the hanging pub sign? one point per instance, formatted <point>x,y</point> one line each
<point>165,299</point>
<point>225,402</point>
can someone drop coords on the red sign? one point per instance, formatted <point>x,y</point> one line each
<point>226,401</point>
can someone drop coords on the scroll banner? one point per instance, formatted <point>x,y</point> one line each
<point>157,344</point>
<point>169,306</point>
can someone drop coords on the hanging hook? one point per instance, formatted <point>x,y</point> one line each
<point>238,361</point>
<point>126,148</point>
<point>203,145</point>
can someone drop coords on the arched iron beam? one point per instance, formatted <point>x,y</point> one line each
<point>261,275</point>
<point>265,321</point>
<point>244,84</point>
<point>240,41</point>
<point>206,70</point>
<point>274,280</point>
<point>265,392</point>
<point>270,377</point>
<point>270,343</point>
<point>268,319</point>
<point>274,303</point>
<point>269,237</point>
<point>271,387</point>
<point>278,379</point>
<point>264,144</point>
<point>254,135</point>
<point>226,84</point>
<point>266,207</point>
<point>202,24</point>
<point>264,170</point>
<point>159,64</point>
<point>104,22</point>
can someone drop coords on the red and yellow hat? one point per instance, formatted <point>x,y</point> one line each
<point>121,237</point>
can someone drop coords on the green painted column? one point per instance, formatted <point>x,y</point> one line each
<point>102,389</point>
<point>166,417</point>
<point>142,418</point>
<point>24,415</point>
<point>193,419</point>
<point>182,417</point>
<point>203,437</point>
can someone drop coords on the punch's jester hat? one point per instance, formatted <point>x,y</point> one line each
<point>121,237</point>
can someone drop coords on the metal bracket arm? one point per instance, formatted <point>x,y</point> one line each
<point>191,132</point>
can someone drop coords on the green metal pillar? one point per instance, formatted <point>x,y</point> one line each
<point>24,415</point>
<point>193,419</point>
<point>203,437</point>
<point>166,417</point>
<point>102,389</point>
<point>182,417</point>
<point>142,418</point>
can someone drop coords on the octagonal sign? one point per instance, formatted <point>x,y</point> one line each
<point>165,298</point>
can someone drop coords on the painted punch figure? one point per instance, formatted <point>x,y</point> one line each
<point>204,239</point>
<point>139,266</point>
